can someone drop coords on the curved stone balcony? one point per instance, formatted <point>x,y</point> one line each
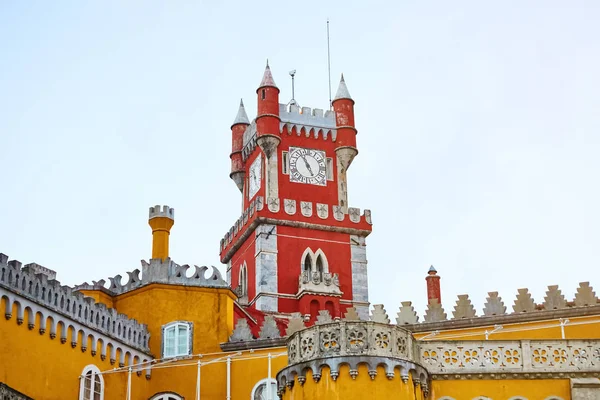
<point>352,343</point>
<point>319,282</point>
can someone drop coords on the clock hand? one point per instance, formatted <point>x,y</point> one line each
<point>307,165</point>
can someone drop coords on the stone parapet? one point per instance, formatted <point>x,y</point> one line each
<point>510,358</point>
<point>159,271</point>
<point>319,282</point>
<point>67,301</point>
<point>290,212</point>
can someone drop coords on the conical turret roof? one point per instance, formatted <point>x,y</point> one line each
<point>267,79</point>
<point>342,92</point>
<point>241,117</point>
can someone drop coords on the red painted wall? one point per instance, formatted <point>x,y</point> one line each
<point>291,243</point>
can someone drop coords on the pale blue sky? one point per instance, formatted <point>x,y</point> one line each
<point>478,132</point>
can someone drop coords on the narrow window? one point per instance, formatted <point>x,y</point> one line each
<point>263,94</point>
<point>307,263</point>
<point>329,168</point>
<point>284,162</point>
<point>176,339</point>
<point>319,265</point>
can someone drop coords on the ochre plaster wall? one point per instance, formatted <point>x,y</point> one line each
<point>532,389</point>
<point>346,388</point>
<point>45,369</point>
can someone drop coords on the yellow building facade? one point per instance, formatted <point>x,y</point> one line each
<point>173,332</point>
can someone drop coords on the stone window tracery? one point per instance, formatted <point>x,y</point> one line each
<point>243,281</point>
<point>91,385</point>
<point>166,396</point>
<point>177,339</point>
<point>261,392</point>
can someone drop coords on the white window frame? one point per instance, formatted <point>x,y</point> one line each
<point>94,372</point>
<point>263,382</point>
<point>166,396</point>
<point>188,340</point>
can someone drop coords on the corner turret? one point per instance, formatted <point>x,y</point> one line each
<point>238,128</point>
<point>161,222</point>
<point>267,126</point>
<point>343,105</point>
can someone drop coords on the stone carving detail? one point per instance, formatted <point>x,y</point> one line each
<point>329,340</point>
<point>322,210</point>
<point>338,213</point>
<point>354,214</point>
<point>585,295</point>
<point>323,318</point>
<point>351,314</point>
<point>241,332</point>
<point>379,314</point>
<point>434,312</point>
<point>368,217</point>
<point>306,208</point>
<point>554,299</point>
<point>494,305</point>
<point>273,204</point>
<point>463,307</point>
<point>260,203</point>
<point>510,356</point>
<point>356,339</point>
<point>269,329</point>
<point>289,206</point>
<point>407,314</point>
<point>524,302</point>
<point>296,324</point>
<point>319,282</point>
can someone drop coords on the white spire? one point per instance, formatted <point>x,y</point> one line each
<point>267,79</point>
<point>241,117</point>
<point>342,92</point>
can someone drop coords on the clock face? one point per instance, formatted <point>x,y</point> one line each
<point>307,166</point>
<point>255,176</point>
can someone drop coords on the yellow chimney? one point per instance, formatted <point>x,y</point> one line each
<point>161,222</point>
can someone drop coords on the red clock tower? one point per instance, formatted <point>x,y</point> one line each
<point>297,247</point>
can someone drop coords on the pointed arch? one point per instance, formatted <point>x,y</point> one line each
<point>307,261</point>
<point>321,264</point>
<point>243,280</point>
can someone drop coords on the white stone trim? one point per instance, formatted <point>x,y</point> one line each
<point>95,372</point>
<point>166,396</point>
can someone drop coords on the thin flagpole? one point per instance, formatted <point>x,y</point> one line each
<point>329,63</point>
<point>129,385</point>
<point>198,382</point>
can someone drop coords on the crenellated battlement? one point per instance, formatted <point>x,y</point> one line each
<point>311,122</point>
<point>39,289</point>
<point>524,307</point>
<point>295,213</point>
<point>165,211</point>
<point>159,271</point>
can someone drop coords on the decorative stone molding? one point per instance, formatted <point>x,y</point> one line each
<point>463,307</point>
<point>434,312</point>
<point>527,358</point>
<point>407,314</point>
<point>585,295</point>
<point>351,314</point>
<point>241,332</point>
<point>306,208</point>
<point>351,343</point>
<point>273,204</point>
<point>159,271</point>
<point>289,206</point>
<point>296,324</point>
<point>379,315</point>
<point>494,305</point>
<point>322,211</point>
<point>49,297</point>
<point>269,329</point>
<point>323,318</point>
<point>319,282</point>
<point>554,299</point>
<point>524,302</point>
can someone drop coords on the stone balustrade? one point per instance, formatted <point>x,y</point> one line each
<point>530,358</point>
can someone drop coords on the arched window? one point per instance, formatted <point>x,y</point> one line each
<point>307,262</point>
<point>166,396</point>
<point>177,339</point>
<point>261,392</point>
<point>91,384</point>
<point>243,281</point>
<point>319,265</point>
<point>518,398</point>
